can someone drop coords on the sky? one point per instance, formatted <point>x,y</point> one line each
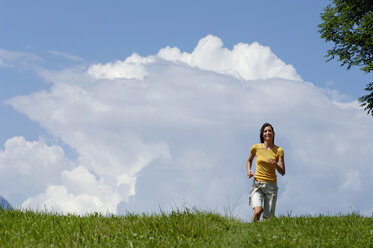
<point>142,106</point>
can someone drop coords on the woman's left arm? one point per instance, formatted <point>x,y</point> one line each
<point>281,166</point>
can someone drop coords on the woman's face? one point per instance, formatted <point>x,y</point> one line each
<point>268,133</point>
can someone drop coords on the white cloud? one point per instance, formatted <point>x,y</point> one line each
<point>175,128</point>
<point>11,58</point>
<point>58,199</point>
<point>352,180</point>
<point>27,168</point>
<point>79,193</point>
<point>245,61</point>
<point>249,62</point>
<point>66,56</point>
<point>132,67</point>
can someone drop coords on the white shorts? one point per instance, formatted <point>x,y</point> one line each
<point>264,194</point>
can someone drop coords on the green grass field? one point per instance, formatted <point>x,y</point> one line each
<point>188,228</point>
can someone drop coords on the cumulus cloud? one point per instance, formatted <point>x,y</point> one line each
<point>79,193</point>
<point>27,168</point>
<point>174,129</point>
<point>132,67</point>
<point>245,61</point>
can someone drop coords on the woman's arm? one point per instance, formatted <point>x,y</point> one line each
<point>281,166</point>
<point>250,173</point>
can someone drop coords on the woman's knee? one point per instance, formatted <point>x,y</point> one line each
<point>258,210</point>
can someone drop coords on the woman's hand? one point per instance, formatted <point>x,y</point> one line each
<point>279,167</point>
<point>250,173</point>
<point>272,161</point>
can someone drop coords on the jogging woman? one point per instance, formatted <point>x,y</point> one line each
<point>269,158</point>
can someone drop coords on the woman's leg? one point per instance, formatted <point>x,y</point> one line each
<point>256,199</point>
<point>257,213</point>
<point>270,199</point>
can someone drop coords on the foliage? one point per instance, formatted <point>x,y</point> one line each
<point>367,100</point>
<point>189,228</point>
<point>349,24</point>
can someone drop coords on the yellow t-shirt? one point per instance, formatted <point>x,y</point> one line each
<point>266,171</point>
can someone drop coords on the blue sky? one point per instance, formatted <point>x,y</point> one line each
<point>65,39</point>
<point>114,30</point>
<point>98,31</point>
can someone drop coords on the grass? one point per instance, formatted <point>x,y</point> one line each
<point>188,228</point>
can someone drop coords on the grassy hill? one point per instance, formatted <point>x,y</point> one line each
<point>189,228</point>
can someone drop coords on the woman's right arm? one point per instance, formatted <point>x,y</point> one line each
<point>249,163</point>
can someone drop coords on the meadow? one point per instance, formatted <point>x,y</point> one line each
<point>187,228</point>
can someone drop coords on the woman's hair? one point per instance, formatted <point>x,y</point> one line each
<point>262,130</point>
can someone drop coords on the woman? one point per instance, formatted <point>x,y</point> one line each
<point>269,158</point>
